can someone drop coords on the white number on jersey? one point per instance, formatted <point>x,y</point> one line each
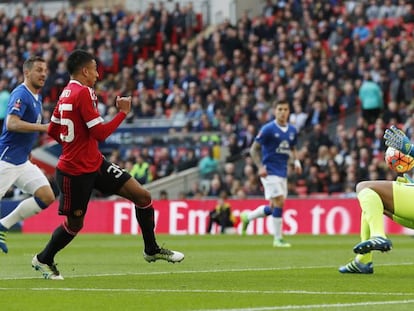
<point>64,121</point>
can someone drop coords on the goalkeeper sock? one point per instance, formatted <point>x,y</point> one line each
<point>372,210</point>
<point>366,258</point>
<point>365,232</point>
<point>365,235</point>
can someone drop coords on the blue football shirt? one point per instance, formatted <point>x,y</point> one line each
<point>276,142</point>
<point>16,147</point>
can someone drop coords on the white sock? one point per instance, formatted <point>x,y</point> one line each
<point>277,227</point>
<point>257,213</point>
<point>25,209</point>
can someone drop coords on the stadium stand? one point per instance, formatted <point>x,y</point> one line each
<point>217,85</point>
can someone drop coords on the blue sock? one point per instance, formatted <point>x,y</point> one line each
<point>39,202</point>
<point>267,210</point>
<point>277,212</point>
<point>3,228</point>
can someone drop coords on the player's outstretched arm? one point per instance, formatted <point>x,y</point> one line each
<point>54,131</point>
<point>102,131</point>
<point>15,124</point>
<point>397,139</point>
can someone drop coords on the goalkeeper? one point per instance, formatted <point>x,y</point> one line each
<point>378,198</point>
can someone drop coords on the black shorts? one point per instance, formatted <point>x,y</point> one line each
<point>75,191</point>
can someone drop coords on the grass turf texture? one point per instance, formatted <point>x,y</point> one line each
<point>220,272</point>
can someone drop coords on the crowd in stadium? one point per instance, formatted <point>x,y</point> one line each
<point>317,55</point>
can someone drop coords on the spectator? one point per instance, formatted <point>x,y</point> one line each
<point>195,191</point>
<point>215,186</point>
<point>141,170</point>
<point>234,148</point>
<point>298,117</point>
<point>313,183</point>
<point>335,183</point>
<point>337,36</point>
<point>163,195</point>
<point>361,31</point>
<point>145,153</point>
<point>164,165</point>
<point>408,127</point>
<point>392,114</point>
<point>317,138</point>
<point>348,100</point>
<point>229,182</point>
<point>372,12</point>
<point>222,215</point>
<point>317,114</point>
<point>187,161</point>
<point>4,99</point>
<point>268,9</point>
<point>401,88</point>
<point>208,166</point>
<point>236,74</point>
<point>387,10</point>
<point>247,136</point>
<point>371,98</point>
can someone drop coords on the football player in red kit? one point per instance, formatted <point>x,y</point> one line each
<point>77,125</point>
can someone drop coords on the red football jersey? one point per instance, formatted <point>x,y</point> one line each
<point>76,113</point>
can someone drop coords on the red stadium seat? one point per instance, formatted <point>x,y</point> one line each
<point>68,45</point>
<point>409,27</point>
<point>199,26</point>
<point>147,49</point>
<point>174,36</point>
<point>54,93</point>
<point>302,190</point>
<point>325,47</point>
<point>129,60</point>
<point>158,44</point>
<point>270,20</point>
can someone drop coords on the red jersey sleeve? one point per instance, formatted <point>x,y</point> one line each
<point>92,118</point>
<point>89,107</point>
<point>102,131</point>
<point>54,131</point>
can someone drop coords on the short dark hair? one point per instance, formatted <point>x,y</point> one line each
<point>77,59</point>
<point>280,102</point>
<point>28,63</point>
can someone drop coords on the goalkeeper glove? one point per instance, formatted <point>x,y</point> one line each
<point>406,179</point>
<point>397,139</point>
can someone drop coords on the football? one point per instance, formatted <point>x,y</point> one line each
<point>397,161</point>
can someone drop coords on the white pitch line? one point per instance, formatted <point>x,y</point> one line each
<point>272,308</point>
<point>200,271</point>
<point>210,291</point>
<point>318,306</point>
<point>179,272</point>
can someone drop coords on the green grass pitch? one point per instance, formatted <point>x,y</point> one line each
<point>220,272</point>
